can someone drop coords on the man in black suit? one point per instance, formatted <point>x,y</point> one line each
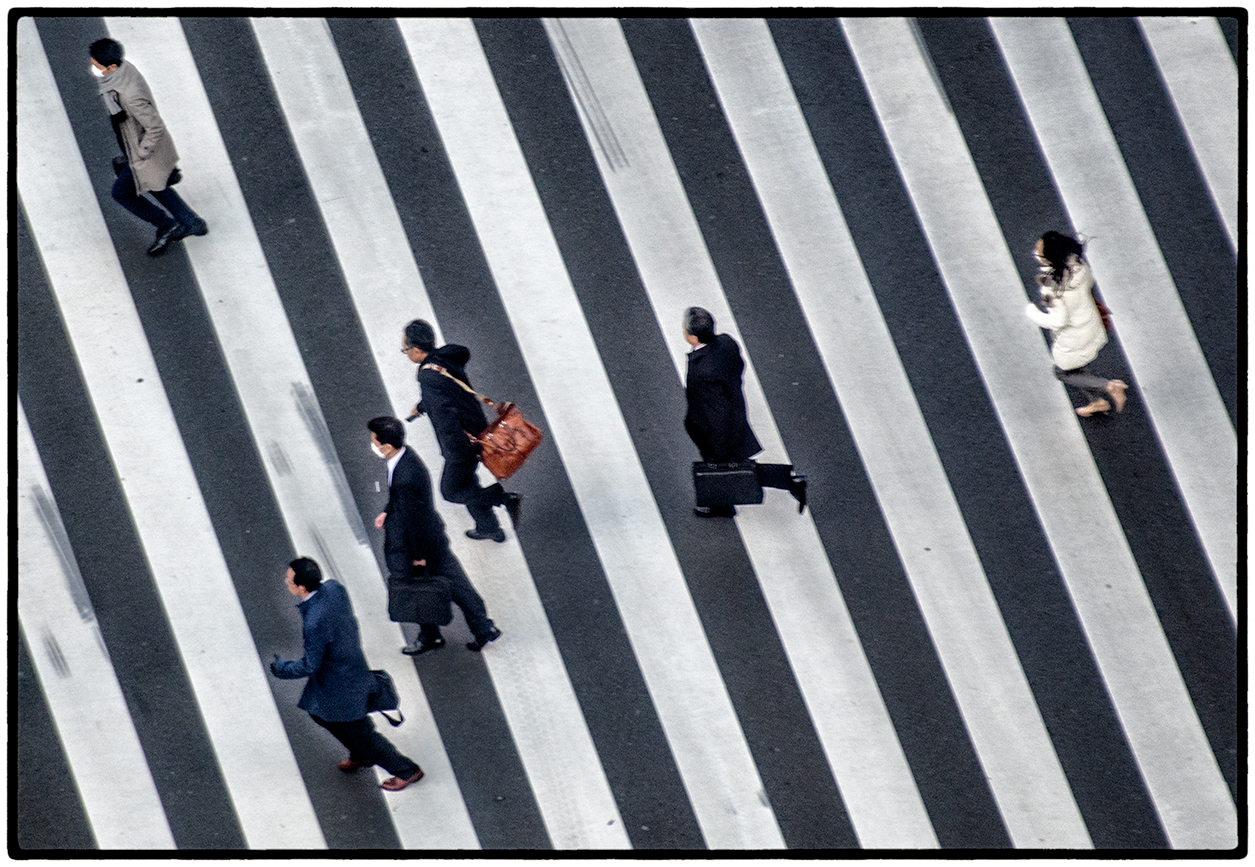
<point>716,420</point>
<point>455,411</point>
<point>339,682</point>
<point>414,536</point>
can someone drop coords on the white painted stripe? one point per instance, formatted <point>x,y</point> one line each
<point>153,469</point>
<point>1045,437</point>
<point>1173,380</point>
<point>591,435</point>
<point>285,420</point>
<point>1202,80</point>
<point>833,675</point>
<point>532,684</point>
<point>902,463</point>
<point>72,663</point>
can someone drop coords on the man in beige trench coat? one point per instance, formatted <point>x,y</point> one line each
<point>150,158</point>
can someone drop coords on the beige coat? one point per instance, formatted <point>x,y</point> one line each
<point>149,148</point>
<point>1076,328</point>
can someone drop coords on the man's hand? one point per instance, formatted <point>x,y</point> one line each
<point>420,562</point>
<point>379,519</point>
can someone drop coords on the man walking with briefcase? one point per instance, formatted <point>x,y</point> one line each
<point>719,426</point>
<point>423,574</point>
<point>338,693</point>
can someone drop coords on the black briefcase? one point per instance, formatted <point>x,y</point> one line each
<point>384,698</point>
<point>722,485</point>
<point>420,598</point>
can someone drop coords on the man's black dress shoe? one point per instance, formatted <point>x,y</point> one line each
<point>478,645</point>
<point>200,227</point>
<point>797,487</point>
<point>166,237</point>
<point>422,647</point>
<point>497,535</point>
<point>714,512</point>
<point>514,508</point>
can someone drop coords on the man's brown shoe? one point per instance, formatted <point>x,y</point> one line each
<point>396,784</point>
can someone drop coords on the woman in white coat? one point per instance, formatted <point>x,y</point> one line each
<point>1071,313</point>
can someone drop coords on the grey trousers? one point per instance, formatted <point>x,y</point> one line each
<point>1084,380</point>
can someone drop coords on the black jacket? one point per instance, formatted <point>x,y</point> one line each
<point>454,411</point>
<point>412,529</point>
<point>716,418</point>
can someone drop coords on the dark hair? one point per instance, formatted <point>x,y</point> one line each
<point>106,52</point>
<point>387,430</point>
<point>421,335</point>
<point>699,323</point>
<point>306,573</point>
<point>1056,248</point>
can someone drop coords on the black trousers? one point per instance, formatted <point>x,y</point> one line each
<point>124,194</point>
<point>459,483</point>
<point>774,475</point>
<point>368,746</point>
<point>464,595</point>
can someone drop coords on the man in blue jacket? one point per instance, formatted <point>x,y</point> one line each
<point>339,679</point>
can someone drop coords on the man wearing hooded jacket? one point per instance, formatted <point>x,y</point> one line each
<point>150,158</point>
<point>455,412</point>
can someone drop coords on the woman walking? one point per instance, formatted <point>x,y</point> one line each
<point>1077,327</point>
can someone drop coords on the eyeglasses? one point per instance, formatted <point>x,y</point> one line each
<point>405,350</point>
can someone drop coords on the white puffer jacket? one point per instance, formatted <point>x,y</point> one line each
<point>1075,327</point>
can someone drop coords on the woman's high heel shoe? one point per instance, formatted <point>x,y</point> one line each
<point>1116,388</point>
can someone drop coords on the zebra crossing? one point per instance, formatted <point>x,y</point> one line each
<point>933,655</point>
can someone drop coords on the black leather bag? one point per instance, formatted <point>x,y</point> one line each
<point>731,484</point>
<point>384,697</point>
<point>420,598</point>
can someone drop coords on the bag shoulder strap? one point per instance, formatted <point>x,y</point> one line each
<point>441,370</point>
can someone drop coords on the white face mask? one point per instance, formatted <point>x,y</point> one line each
<point>374,447</point>
<point>96,72</point>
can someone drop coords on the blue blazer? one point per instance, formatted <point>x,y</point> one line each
<point>339,679</point>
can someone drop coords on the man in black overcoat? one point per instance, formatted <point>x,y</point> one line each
<point>455,411</point>
<point>717,420</point>
<point>340,681</point>
<point>414,535</point>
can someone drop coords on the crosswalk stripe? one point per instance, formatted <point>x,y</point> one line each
<point>589,432</point>
<point>1202,80</point>
<point>1119,622</point>
<point>1173,380</point>
<point>153,468</point>
<point>286,422</point>
<point>823,648</point>
<point>86,703</point>
<point>914,495</point>
<point>535,692</point>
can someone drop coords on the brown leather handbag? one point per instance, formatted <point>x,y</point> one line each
<point>507,441</point>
